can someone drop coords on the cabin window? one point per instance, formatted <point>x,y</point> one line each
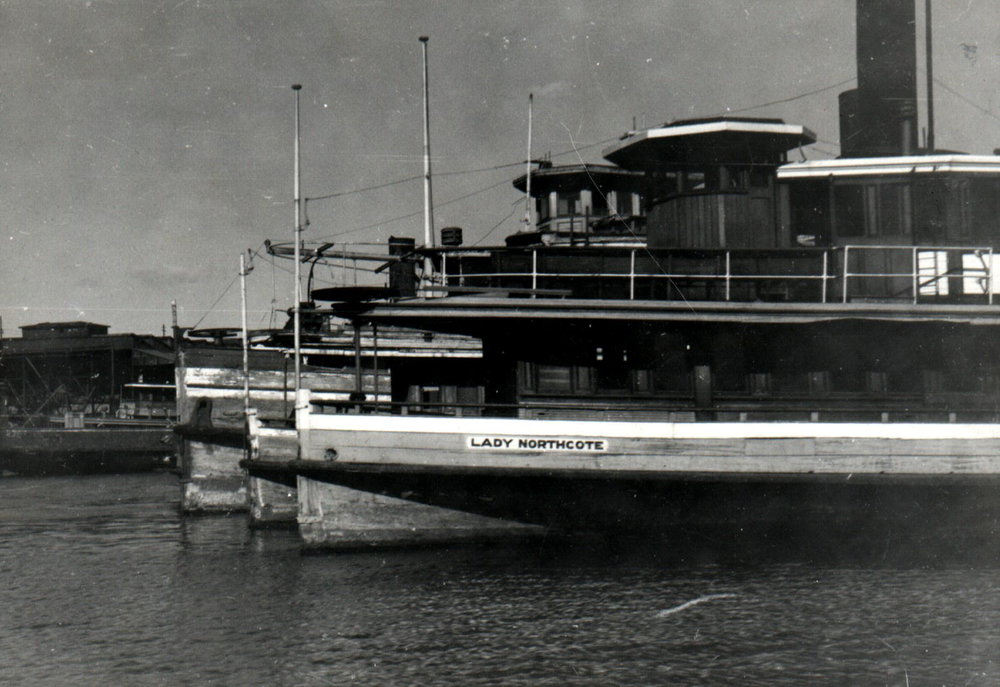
<point>430,394</point>
<point>623,200</point>
<point>614,378</point>
<point>933,381</point>
<point>760,383</point>
<point>891,210</point>
<point>849,210</point>
<point>760,177</point>
<point>930,209</point>
<point>739,179</point>
<point>642,381</point>
<point>876,381</point>
<point>431,400</point>
<point>819,382</point>
<point>470,399</point>
<point>568,203</point>
<point>554,379</point>
<point>693,181</point>
<point>984,195</point>
<point>611,371</point>
<point>598,203</point>
<point>809,205</point>
<point>542,208</point>
<point>558,380</point>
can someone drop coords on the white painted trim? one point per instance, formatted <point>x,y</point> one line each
<point>649,430</point>
<point>720,126</point>
<point>903,165</point>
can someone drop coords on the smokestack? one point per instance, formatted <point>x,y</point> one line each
<point>879,118</point>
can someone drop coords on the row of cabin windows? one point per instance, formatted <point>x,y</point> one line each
<point>571,380</point>
<point>926,209</point>
<point>714,179</point>
<point>576,203</point>
<point>447,399</point>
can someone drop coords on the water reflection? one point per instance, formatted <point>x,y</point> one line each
<point>106,583</point>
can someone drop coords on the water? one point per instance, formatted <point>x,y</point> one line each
<point>104,583</point>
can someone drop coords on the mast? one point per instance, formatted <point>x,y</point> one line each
<point>246,336</point>
<point>175,329</point>
<point>527,171</point>
<point>930,76</point>
<point>296,309</point>
<point>428,202</point>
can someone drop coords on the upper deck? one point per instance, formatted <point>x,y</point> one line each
<point>849,273</point>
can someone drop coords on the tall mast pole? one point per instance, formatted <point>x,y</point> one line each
<point>296,310</point>
<point>930,76</point>
<point>527,172</point>
<point>246,336</point>
<point>428,202</point>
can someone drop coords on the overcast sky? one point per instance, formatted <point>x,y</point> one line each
<point>144,143</point>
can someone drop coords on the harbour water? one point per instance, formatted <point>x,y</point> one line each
<point>105,583</point>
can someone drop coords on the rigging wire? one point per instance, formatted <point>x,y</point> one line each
<point>222,295</point>
<point>477,170</point>
<point>496,226</point>
<point>790,99</point>
<point>211,308</point>
<point>366,188</point>
<point>412,214</point>
<point>645,246</point>
<point>986,111</point>
<point>574,150</point>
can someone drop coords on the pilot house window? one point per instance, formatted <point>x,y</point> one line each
<point>568,203</point>
<point>623,200</point>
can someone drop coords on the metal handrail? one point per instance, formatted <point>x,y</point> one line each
<point>736,404</point>
<point>918,276</point>
<point>915,272</point>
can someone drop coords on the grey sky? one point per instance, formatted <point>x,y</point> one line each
<point>144,144</point>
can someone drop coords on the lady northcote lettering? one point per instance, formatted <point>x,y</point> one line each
<point>537,443</point>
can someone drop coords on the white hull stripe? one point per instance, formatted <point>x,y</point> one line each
<point>501,427</point>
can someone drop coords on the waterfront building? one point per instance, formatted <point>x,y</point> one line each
<point>74,397</point>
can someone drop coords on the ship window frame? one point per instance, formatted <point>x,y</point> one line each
<point>567,203</point>
<point>542,208</point>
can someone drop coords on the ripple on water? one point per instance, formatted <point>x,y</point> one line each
<point>105,583</point>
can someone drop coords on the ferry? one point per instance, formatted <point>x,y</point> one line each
<point>787,346</point>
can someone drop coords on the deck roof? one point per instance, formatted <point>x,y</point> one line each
<point>714,140</point>
<point>474,314</point>
<point>886,166</point>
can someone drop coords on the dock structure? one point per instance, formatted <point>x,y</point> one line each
<point>214,436</point>
<point>212,432</point>
<point>74,397</point>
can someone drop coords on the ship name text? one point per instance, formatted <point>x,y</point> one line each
<point>575,444</point>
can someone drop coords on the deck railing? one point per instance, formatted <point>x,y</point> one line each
<point>901,273</point>
<point>902,409</point>
<point>934,271</point>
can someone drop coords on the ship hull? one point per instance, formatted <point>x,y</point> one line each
<point>647,503</point>
<point>937,481</point>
